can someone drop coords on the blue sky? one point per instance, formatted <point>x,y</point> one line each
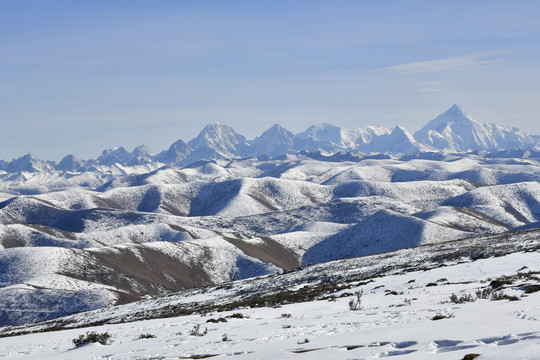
<point>78,77</point>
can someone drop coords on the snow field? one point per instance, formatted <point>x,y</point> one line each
<point>395,321</point>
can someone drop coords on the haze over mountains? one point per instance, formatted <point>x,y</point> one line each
<point>82,235</point>
<point>453,131</point>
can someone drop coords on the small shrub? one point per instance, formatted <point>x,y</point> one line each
<point>92,337</point>
<point>499,295</point>
<point>225,338</point>
<point>432,284</point>
<point>530,275</point>
<point>356,303</point>
<point>215,321</point>
<point>305,341</point>
<point>146,336</point>
<point>441,316</point>
<point>286,326</point>
<point>462,299</point>
<point>196,331</point>
<point>529,289</point>
<point>470,356</point>
<point>286,316</point>
<point>237,316</point>
<point>486,293</point>
<point>500,282</point>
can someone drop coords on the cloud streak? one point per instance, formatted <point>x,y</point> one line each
<point>456,63</point>
<point>431,90</point>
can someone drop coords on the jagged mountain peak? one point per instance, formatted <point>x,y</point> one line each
<point>115,150</point>
<point>273,130</point>
<point>277,127</point>
<point>218,141</point>
<point>274,141</point>
<point>455,114</point>
<point>216,129</point>
<point>176,153</point>
<point>323,131</point>
<point>29,163</point>
<point>70,163</point>
<point>70,157</point>
<point>27,156</point>
<point>323,126</point>
<point>398,129</point>
<point>402,133</point>
<point>399,141</point>
<point>456,130</point>
<point>140,155</point>
<point>142,151</point>
<point>399,132</point>
<point>456,109</point>
<point>213,134</point>
<point>117,154</point>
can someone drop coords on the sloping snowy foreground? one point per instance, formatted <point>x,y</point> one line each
<point>403,315</point>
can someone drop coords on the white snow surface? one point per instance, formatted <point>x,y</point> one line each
<point>395,320</point>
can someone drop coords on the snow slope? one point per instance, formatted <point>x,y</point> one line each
<point>218,220</point>
<point>406,312</point>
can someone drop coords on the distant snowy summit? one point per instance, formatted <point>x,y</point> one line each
<point>455,130</point>
<point>452,131</point>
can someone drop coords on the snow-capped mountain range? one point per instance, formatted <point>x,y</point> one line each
<point>87,234</point>
<point>453,131</point>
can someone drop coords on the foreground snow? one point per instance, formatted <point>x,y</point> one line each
<point>395,320</point>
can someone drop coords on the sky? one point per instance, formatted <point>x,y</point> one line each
<point>79,77</point>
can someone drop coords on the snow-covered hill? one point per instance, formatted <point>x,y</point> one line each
<point>459,300</point>
<point>125,232</point>
<point>85,234</point>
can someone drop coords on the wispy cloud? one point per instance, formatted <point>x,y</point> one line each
<point>430,87</point>
<point>430,83</point>
<point>448,64</point>
<point>430,90</point>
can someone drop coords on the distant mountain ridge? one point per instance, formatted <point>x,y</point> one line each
<point>455,130</point>
<point>452,131</point>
